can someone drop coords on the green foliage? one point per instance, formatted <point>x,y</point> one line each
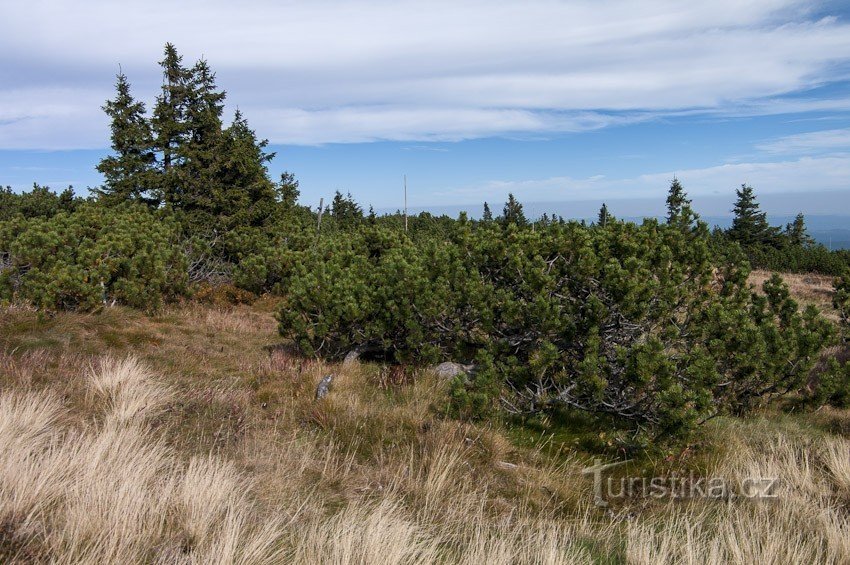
<point>644,323</point>
<point>473,396</point>
<point>91,257</point>
<point>749,226</point>
<point>513,213</point>
<point>40,202</point>
<point>841,302</point>
<point>129,173</point>
<point>346,213</point>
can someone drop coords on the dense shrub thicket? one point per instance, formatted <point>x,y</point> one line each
<point>90,257</point>
<point>638,322</point>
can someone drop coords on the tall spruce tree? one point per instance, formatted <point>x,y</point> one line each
<point>287,190</point>
<point>345,210</point>
<point>676,199</point>
<point>170,124</point>
<point>749,226</point>
<point>204,139</point>
<point>242,193</point>
<point>130,172</point>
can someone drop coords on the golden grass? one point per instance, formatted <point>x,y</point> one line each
<point>194,437</point>
<point>806,288</point>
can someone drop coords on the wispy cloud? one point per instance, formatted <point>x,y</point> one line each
<point>828,173</point>
<point>810,142</point>
<point>333,71</point>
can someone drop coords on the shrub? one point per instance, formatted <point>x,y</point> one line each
<point>91,257</point>
<point>643,323</point>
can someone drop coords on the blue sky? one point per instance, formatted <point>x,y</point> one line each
<point>553,101</point>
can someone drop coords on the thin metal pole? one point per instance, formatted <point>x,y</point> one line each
<point>319,224</point>
<point>405,203</point>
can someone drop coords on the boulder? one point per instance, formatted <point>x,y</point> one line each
<point>449,369</point>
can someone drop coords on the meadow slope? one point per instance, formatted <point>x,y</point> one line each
<point>193,436</point>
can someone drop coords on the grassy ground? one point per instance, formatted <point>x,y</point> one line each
<point>194,437</point>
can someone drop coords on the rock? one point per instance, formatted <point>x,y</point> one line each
<point>449,370</point>
<point>324,387</point>
<point>352,356</point>
<point>504,465</point>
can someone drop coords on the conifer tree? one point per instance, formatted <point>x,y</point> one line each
<point>604,217</point>
<point>513,213</point>
<point>129,173</point>
<point>169,123</point>
<point>487,216</point>
<point>679,211</point>
<point>241,194</point>
<point>676,199</point>
<point>202,145</point>
<point>345,210</point>
<point>797,234</point>
<point>749,226</point>
<point>287,190</point>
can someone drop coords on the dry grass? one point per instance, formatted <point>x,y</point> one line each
<point>194,437</point>
<point>806,288</point>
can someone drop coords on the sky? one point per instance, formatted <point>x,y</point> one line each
<point>565,104</point>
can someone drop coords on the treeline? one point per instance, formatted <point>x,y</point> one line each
<point>788,249</point>
<point>653,326</point>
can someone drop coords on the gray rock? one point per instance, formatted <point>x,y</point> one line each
<point>449,370</point>
<point>352,356</point>
<point>324,387</point>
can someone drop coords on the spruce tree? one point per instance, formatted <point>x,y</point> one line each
<point>676,199</point>
<point>129,173</point>
<point>204,139</point>
<point>242,193</point>
<point>749,226</point>
<point>287,190</point>
<point>796,233</point>
<point>487,216</point>
<point>679,211</point>
<point>513,213</point>
<point>170,124</point>
<point>345,210</point>
<point>604,217</point>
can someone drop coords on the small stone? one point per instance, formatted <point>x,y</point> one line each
<point>324,387</point>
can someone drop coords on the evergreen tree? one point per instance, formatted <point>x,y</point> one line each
<point>676,200</point>
<point>129,173</point>
<point>750,227</point>
<point>512,212</point>
<point>796,233</point>
<point>242,194</point>
<point>169,123</point>
<point>287,190</point>
<point>345,211</point>
<point>604,217</point>
<point>202,145</point>
<point>679,211</point>
<point>487,216</point>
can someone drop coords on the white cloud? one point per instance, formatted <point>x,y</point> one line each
<point>829,173</point>
<point>811,142</point>
<point>325,71</point>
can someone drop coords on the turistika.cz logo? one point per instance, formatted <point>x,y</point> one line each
<point>672,487</point>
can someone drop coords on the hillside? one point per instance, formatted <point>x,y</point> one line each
<point>193,436</point>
